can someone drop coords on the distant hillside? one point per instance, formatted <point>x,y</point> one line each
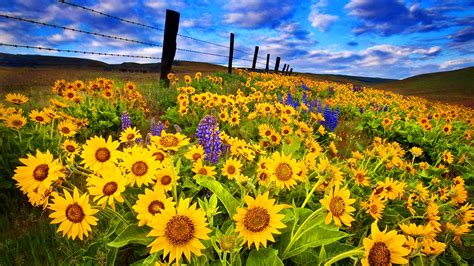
<point>455,86</point>
<point>364,81</point>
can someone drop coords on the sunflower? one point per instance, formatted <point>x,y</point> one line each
<point>38,172</point>
<point>169,141</point>
<point>223,115</point>
<point>447,129</point>
<point>39,117</point>
<point>231,168</point>
<point>284,170</point>
<point>130,134</point>
<point>150,204</point>
<point>70,94</point>
<point>74,214</point>
<point>286,130</point>
<point>448,157</point>
<point>416,151</point>
<point>108,187</point>
<point>166,176</point>
<point>179,231</point>
<point>67,128</point>
<point>158,154</point>
<point>15,121</point>
<point>16,98</point>
<point>58,103</point>
<point>200,169</point>
<point>99,154</point>
<point>259,221</point>
<point>234,120</point>
<point>360,177</point>
<point>374,206</point>
<point>384,248</point>
<point>338,203</point>
<point>70,147</point>
<point>140,165</point>
<point>195,153</point>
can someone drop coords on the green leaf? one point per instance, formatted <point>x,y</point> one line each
<point>263,257</point>
<point>131,234</point>
<point>230,203</point>
<point>293,147</point>
<point>314,237</point>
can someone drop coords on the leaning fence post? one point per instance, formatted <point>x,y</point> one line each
<point>231,53</point>
<point>283,70</point>
<point>268,62</point>
<point>169,44</point>
<point>255,55</point>
<point>287,68</point>
<point>277,64</point>
<point>291,71</point>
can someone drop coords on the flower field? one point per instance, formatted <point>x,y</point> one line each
<point>244,169</point>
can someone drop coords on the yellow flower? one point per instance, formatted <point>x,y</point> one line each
<point>360,177</point>
<point>108,187</point>
<point>70,147</point>
<point>16,121</point>
<point>200,169</point>
<point>38,172</point>
<point>447,157</point>
<point>416,151</point>
<point>258,222</point>
<point>130,134</point>
<point>447,129</point>
<point>140,166</point>
<point>99,154</point>
<point>67,128</point>
<point>166,177</point>
<point>179,231</point>
<point>150,204</point>
<point>231,168</point>
<point>338,203</point>
<point>74,214</point>
<point>433,247</point>
<point>187,79</point>
<point>384,248</point>
<point>284,170</point>
<point>39,117</point>
<point>195,153</point>
<point>16,98</point>
<point>234,120</point>
<point>170,142</point>
<point>374,207</point>
<point>465,214</point>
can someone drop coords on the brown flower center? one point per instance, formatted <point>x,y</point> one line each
<point>159,156</point>
<point>263,176</point>
<point>196,156</point>
<point>110,188</point>
<point>179,230</point>
<point>231,169</point>
<point>130,136</point>
<point>166,180</point>
<point>379,254</point>
<point>102,154</point>
<point>155,207</point>
<point>65,130</point>
<point>39,118</point>
<point>337,206</point>
<point>169,141</point>
<point>70,95</point>
<point>139,168</point>
<point>283,172</point>
<point>41,172</point>
<point>17,123</point>
<point>70,148</point>
<point>74,213</point>
<point>256,219</point>
<point>202,171</point>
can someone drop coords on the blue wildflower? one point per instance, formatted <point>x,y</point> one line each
<point>208,137</point>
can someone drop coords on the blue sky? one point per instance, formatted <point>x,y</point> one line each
<point>377,38</point>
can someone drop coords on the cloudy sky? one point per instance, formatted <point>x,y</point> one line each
<point>377,38</point>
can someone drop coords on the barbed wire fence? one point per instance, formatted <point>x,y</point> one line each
<point>169,45</point>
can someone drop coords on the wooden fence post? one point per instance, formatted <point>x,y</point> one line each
<point>231,53</point>
<point>255,55</point>
<point>277,65</point>
<point>287,68</point>
<point>268,62</point>
<point>283,70</point>
<point>169,44</point>
<point>291,71</point>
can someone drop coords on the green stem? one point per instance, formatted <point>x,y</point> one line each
<point>347,254</point>
<point>311,192</point>
<point>412,217</point>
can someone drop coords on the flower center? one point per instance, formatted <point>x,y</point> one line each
<point>139,168</point>
<point>155,207</point>
<point>263,176</point>
<point>65,130</point>
<point>169,141</point>
<point>159,156</point>
<point>17,123</point>
<point>70,148</point>
<point>374,209</point>
<point>110,188</point>
<point>166,180</point>
<point>231,169</point>
<point>74,213</point>
<point>283,172</point>
<point>70,95</point>
<point>102,155</point>
<point>130,136</point>
<point>379,254</point>
<point>256,219</point>
<point>337,206</point>
<point>39,118</point>
<point>41,172</point>
<point>202,171</point>
<point>179,230</point>
<point>196,156</point>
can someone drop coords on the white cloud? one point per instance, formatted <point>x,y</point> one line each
<point>319,20</point>
<point>457,63</point>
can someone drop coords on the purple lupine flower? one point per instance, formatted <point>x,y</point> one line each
<point>208,137</point>
<point>126,121</point>
<point>331,90</point>
<point>156,128</point>
<point>357,88</point>
<point>304,87</point>
<point>331,118</point>
<point>361,110</point>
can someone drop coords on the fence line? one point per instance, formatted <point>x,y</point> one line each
<point>77,51</point>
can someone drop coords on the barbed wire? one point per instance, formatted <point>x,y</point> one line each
<point>200,52</point>
<point>81,31</point>
<point>77,51</point>
<point>111,16</point>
